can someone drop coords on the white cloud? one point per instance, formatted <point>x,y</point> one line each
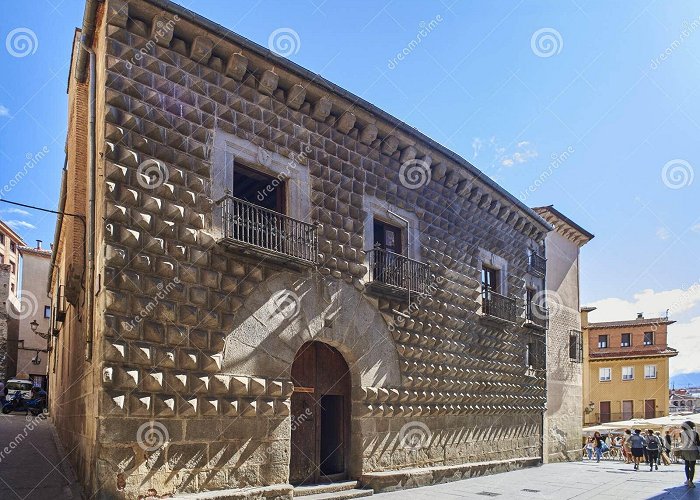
<point>17,211</point>
<point>681,302</point>
<point>685,338</point>
<point>4,111</point>
<point>16,224</point>
<point>476,146</point>
<point>522,154</point>
<point>663,233</point>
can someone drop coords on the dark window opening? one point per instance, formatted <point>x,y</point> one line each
<point>648,338</point>
<point>387,237</point>
<point>259,189</point>
<point>47,311</point>
<point>575,347</point>
<point>490,281</point>
<point>602,341</point>
<point>626,340</point>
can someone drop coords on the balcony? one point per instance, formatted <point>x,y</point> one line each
<point>256,230</point>
<point>497,306</point>
<point>537,265</point>
<point>396,275</point>
<point>536,316</point>
<point>602,418</point>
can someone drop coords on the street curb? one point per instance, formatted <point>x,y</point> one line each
<point>75,487</point>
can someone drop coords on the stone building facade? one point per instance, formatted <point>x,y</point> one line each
<point>562,424</point>
<point>288,285</point>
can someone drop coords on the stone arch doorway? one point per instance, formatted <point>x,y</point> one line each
<point>320,421</point>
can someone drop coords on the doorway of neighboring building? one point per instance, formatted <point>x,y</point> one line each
<point>320,418</point>
<point>649,408</point>
<point>604,411</point>
<point>627,410</point>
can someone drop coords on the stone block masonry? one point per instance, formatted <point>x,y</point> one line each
<point>197,393</point>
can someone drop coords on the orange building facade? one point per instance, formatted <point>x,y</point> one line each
<point>626,369</point>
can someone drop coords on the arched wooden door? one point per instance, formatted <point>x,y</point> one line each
<point>320,415</point>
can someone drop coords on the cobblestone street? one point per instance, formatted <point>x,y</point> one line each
<point>607,480</point>
<point>31,466</point>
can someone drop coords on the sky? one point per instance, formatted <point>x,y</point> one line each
<point>592,106</point>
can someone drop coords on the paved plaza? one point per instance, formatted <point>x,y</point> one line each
<point>31,466</point>
<point>606,480</point>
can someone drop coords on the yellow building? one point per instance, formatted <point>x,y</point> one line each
<point>625,369</point>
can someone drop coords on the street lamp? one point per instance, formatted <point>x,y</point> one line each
<point>34,325</point>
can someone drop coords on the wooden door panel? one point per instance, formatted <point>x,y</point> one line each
<point>303,462</point>
<point>320,414</point>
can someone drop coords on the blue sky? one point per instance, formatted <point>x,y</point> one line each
<point>479,84</point>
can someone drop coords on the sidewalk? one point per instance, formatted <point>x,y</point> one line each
<point>606,480</point>
<point>31,467</point>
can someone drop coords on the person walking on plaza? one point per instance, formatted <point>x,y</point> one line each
<point>589,448</point>
<point>626,446</point>
<point>637,444</point>
<point>689,451</point>
<point>598,445</point>
<point>653,447</point>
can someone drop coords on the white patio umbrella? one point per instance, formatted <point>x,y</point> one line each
<point>634,423</point>
<point>676,420</point>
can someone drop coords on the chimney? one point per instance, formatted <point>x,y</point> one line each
<point>38,244</point>
<point>640,315</point>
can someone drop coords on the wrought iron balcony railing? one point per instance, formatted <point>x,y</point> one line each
<point>396,274</point>
<point>498,306</point>
<point>537,264</point>
<point>602,418</point>
<point>536,315</point>
<point>256,229</point>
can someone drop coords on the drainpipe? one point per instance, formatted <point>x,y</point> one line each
<point>59,224</point>
<point>90,233</point>
<point>88,32</point>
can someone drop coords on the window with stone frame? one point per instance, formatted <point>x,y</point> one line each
<point>649,371</point>
<point>602,341</point>
<point>628,373</point>
<point>626,340</point>
<point>605,374</point>
<point>648,338</point>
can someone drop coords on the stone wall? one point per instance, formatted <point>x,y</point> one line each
<point>195,389</point>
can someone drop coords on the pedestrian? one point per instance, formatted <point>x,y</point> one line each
<point>668,442</point>
<point>689,451</point>
<point>653,447</point>
<point>598,442</point>
<point>661,448</point>
<point>589,448</point>
<point>626,447</point>
<point>637,444</point>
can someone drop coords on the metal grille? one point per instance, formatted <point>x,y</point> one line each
<point>398,271</point>
<point>497,305</point>
<point>249,225</point>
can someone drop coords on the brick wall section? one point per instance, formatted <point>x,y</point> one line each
<point>72,387</point>
<point>460,376</point>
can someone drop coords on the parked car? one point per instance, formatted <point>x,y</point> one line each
<point>17,384</point>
